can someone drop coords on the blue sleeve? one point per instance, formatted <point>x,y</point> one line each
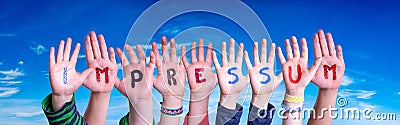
<point>259,116</point>
<point>227,116</point>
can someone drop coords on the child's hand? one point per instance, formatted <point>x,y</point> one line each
<point>230,77</point>
<point>330,73</point>
<point>295,70</point>
<point>64,80</point>
<point>171,74</point>
<point>202,80</point>
<point>103,80</point>
<point>262,76</point>
<point>138,78</point>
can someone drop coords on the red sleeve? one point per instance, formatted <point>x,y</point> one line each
<point>203,122</point>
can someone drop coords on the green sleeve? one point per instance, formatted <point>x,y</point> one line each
<point>67,115</point>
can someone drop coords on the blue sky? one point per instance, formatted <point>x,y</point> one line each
<point>367,31</point>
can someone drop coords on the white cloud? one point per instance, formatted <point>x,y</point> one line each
<point>8,78</point>
<point>81,56</point>
<point>367,105</point>
<point>21,62</point>
<point>1,63</point>
<point>6,91</point>
<point>28,114</point>
<point>347,81</point>
<point>361,94</point>
<point>10,82</point>
<point>398,93</point>
<point>39,49</point>
<point>7,34</point>
<point>14,73</point>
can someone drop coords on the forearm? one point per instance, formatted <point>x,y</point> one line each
<point>141,112</point>
<point>198,108</point>
<point>260,101</point>
<point>96,112</point>
<point>326,100</point>
<point>293,118</point>
<point>170,102</point>
<point>228,101</point>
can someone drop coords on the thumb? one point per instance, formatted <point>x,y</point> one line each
<point>119,84</point>
<point>315,66</point>
<point>86,73</point>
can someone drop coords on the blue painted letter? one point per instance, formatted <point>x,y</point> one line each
<point>236,76</point>
<point>269,77</point>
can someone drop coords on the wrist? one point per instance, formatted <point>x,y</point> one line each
<point>328,91</point>
<point>199,96</point>
<point>260,101</point>
<point>298,92</point>
<point>229,101</point>
<point>172,102</point>
<point>58,101</point>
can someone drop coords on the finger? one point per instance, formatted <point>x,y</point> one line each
<point>231,50</point>
<point>239,56</point>
<point>183,56</point>
<point>193,53</point>
<point>95,45</point>
<point>112,55</point>
<point>247,59</point>
<point>103,47</point>
<point>67,50</point>
<point>173,50</point>
<point>131,53</point>
<point>280,55</point>
<point>263,56</point>
<point>255,54</point>
<point>201,51</point>
<point>288,49</point>
<point>315,66</point>
<point>164,49</point>
<point>216,63</point>
<point>317,48</point>
<point>331,45</point>
<point>322,42</point>
<point>122,57</point>
<point>296,49</point>
<point>86,73</point>
<point>279,77</point>
<point>60,51</point>
<point>340,52</point>
<point>120,87</point>
<point>152,60</point>
<point>142,55</point>
<point>74,57</point>
<point>224,57</point>
<point>304,49</point>
<point>88,48</point>
<point>271,56</point>
<point>208,54</point>
<point>157,56</point>
<point>52,61</point>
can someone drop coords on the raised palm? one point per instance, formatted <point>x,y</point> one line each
<point>230,77</point>
<point>330,73</point>
<point>295,71</point>
<point>64,79</point>
<point>171,74</point>
<point>105,77</point>
<point>138,78</point>
<point>206,80</point>
<point>262,76</point>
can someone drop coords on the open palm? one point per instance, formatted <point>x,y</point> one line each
<point>97,57</point>
<point>169,66</point>
<point>295,71</point>
<point>330,73</point>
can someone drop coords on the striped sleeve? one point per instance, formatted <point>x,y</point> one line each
<point>67,115</point>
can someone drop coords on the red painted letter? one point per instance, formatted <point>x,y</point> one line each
<point>298,76</point>
<point>100,71</point>
<point>327,68</point>
<point>198,75</point>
